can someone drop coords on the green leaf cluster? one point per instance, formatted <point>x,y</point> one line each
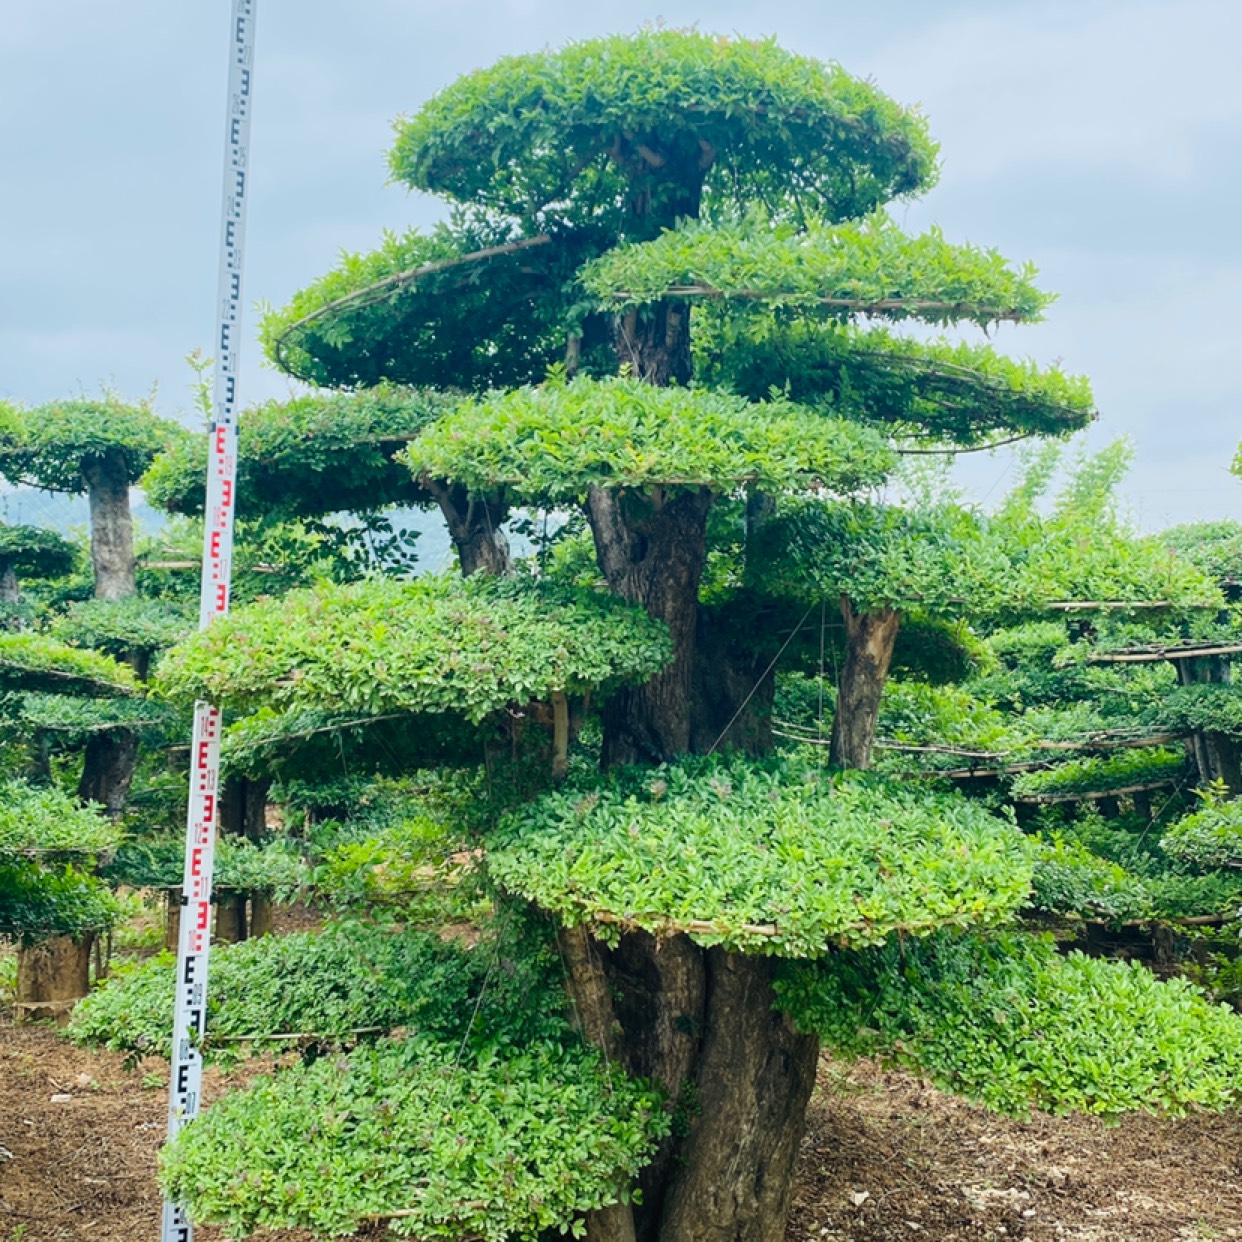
<point>41,819</point>
<point>38,903</point>
<point>1210,838</point>
<point>496,1148</point>
<point>554,442</point>
<point>274,867</point>
<point>466,306</point>
<point>74,719</point>
<point>769,858</point>
<point>859,267</point>
<point>881,556</point>
<point>33,552</point>
<point>1210,707</point>
<point>1070,879</point>
<point>1009,1021</point>
<point>39,662</point>
<point>949,391</point>
<point>434,645</point>
<point>122,627</point>
<point>53,445</point>
<point>1098,774</point>
<point>1215,547</point>
<point>557,138</point>
<point>329,985</point>
<point>308,456</point>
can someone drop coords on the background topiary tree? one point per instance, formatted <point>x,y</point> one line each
<point>50,903</point>
<point>97,447</point>
<point>31,552</point>
<point>682,229</point>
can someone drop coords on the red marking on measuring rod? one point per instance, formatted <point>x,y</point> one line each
<point>190,1015</point>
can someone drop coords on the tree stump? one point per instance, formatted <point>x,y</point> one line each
<point>51,976</point>
<point>230,918</point>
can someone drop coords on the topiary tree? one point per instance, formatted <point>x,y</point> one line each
<point>50,903</point>
<point>97,447</point>
<point>31,552</point>
<point>680,233</point>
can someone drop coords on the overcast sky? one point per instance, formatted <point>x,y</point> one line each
<point>1101,139</point>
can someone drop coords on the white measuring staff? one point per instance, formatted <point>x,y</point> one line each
<point>201,820</point>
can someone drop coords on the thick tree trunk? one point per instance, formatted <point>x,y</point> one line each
<point>230,918</point>
<point>651,550</point>
<point>10,588</point>
<point>108,769</point>
<point>112,528</point>
<point>475,527</point>
<point>653,342</point>
<point>262,914</point>
<point>755,1077</point>
<point>659,990</point>
<point>731,694</point>
<point>870,637</point>
<point>243,813</point>
<point>1217,755</point>
<point>591,997</point>
<point>172,919</point>
<point>51,976</point>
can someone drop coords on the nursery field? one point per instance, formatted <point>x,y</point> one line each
<point>885,1157</point>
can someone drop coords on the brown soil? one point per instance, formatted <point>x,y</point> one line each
<point>885,1157</point>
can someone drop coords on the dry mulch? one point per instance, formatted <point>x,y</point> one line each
<point>888,1157</point>
<point>885,1157</point>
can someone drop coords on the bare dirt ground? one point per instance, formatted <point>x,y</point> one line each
<point>885,1157</point>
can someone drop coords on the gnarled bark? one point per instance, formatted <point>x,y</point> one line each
<point>659,997</point>
<point>731,694</point>
<point>108,768</point>
<point>112,527</point>
<point>755,1076</point>
<point>651,550</point>
<point>475,527</point>
<point>869,652</point>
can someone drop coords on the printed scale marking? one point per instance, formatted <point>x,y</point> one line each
<point>195,933</point>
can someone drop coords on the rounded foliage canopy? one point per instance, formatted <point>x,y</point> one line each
<point>762,859</point>
<point>555,442</point>
<point>55,445</point>
<point>434,645</point>
<point>859,267</point>
<point>469,306</point>
<point>33,552</point>
<point>957,392</point>
<point>566,136</point>
<point>881,556</point>
<point>44,820</point>
<point>36,662</point>
<point>306,457</point>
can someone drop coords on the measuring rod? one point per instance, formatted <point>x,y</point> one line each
<point>194,941</point>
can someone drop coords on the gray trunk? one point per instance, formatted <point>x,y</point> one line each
<point>108,768</point>
<point>10,588</point>
<point>112,528</point>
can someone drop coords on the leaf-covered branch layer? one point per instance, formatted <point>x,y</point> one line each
<point>762,859</point>
<point>434,645</point>
<point>555,442</point>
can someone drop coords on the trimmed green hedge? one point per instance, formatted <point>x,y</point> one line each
<point>1008,1021</point>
